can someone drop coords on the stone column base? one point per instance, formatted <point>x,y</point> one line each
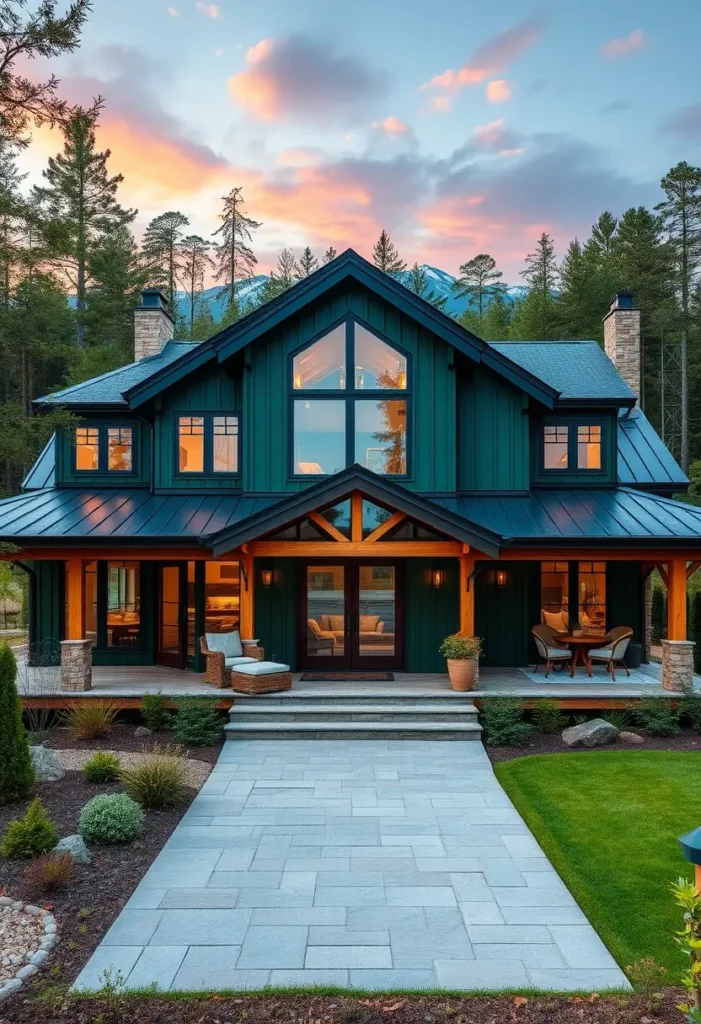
<point>677,665</point>
<point>76,665</point>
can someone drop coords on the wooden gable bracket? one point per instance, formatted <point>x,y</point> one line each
<point>328,528</point>
<point>385,527</point>
<point>692,568</point>
<point>662,570</point>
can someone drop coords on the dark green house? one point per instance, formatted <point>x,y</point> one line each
<point>349,475</point>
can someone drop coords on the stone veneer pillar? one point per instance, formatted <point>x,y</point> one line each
<point>622,339</point>
<point>677,665</point>
<point>153,324</point>
<point>76,665</point>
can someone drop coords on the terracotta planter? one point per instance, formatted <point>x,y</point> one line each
<point>462,673</point>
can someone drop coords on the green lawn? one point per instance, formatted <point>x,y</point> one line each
<point>609,822</point>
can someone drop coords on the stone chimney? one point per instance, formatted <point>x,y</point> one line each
<point>622,339</point>
<point>153,324</point>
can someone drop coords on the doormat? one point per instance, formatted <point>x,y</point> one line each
<point>350,677</point>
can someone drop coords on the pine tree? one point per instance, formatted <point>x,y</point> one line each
<point>496,322</point>
<point>235,257</point>
<point>307,263</point>
<point>81,203</point>
<point>541,273</point>
<point>330,254</point>
<point>418,283</point>
<point>23,37</point>
<point>579,314</point>
<point>681,210</point>
<point>13,213</point>
<point>204,326</point>
<point>160,248</point>
<point>479,281</point>
<point>16,771</point>
<point>283,277</point>
<point>194,262</point>
<point>386,257</point>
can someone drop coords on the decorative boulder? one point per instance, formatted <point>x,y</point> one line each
<point>75,845</point>
<point>630,737</point>
<point>47,764</point>
<point>141,730</point>
<point>591,734</point>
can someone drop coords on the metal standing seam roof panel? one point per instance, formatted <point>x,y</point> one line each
<point>43,472</point>
<point>643,457</point>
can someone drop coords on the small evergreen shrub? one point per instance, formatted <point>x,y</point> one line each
<point>619,719</point>
<point>502,718</point>
<point>90,720</point>
<point>691,710</point>
<point>657,717</point>
<point>155,713</point>
<point>102,767</point>
<point>546,715</point>
<point>49,872</point>
<point>31,835</point>
<point>16,769</point>
<point>157,783</point>
<point>695,627</point>
<point>110,819</point>
<point>197,723</point>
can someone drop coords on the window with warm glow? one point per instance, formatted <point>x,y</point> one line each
<point>556,447</point>
<point>555,595</point>
<point>191,444</point>
<point>225,444</point>
<point>222,596</point>
<point>589,447</point>
<point>123,604</point>
<point>87,449</point>
<point>592,596</point>
<point>119,449</point>
<point>332,430</point>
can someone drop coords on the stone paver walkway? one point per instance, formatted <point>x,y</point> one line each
<point>372,864</point>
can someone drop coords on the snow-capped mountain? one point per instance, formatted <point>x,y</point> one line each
<point>439,281</point>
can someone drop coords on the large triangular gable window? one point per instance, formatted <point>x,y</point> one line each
<point>350,403</point>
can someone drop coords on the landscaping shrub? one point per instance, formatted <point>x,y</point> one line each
<point>197,723</point>
<point>158,782</point>
<point>48,872</point>
<point>16,770</point>
<point>546,715</point>
<point>656,716</point>
<point>102,767</point>
<point>90,720</point>
<point>658,617</point>
<point>111,818</point>
<point>502,718</point>
<point>155,713</point>
<point>619,719</point>
<point>31,835</point>
<point>648,977</point>
<point>691,710</point>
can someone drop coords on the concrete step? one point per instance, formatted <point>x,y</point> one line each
<point>344,730</point>
<point>328,696</point>
<point>377,711</point>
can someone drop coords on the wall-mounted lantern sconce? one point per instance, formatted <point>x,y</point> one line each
<point>437,578</point>
<point>266,577</point>
<point>501,578</point>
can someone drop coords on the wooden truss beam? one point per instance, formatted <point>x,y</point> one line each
<point>330,549</point>
<point>328,528</point>
<point>385,527</point>
<point>692,568</point>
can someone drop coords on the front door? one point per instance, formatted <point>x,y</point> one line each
<point>351,616</point>
<point>172,623</point>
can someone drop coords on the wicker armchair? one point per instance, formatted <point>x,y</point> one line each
<point>615,652</point>
<point>216,671</point>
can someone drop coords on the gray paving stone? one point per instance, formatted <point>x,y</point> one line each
<point>447,864</point>
<point>388,981</point>
<point>581,980</point>
<point>322,936</point>
<point>212,969</point>
<point>270,946</point>
<point>199,899</point>
<point>508,933</point>
<point>420,948</point>
<point>420,896</point>
<point>513,896</point>
<point>235,860</point>
<point>580,945</point>
<point>244,879</point>
<point>501,872</point>
<point>368,918</point>
<point>349,878</point>
<point>472,888</point>
<point>157,965</point>
<point>133,928</point>
<point>472,975</point>
<point>318,863</point>
<point>543,880</point>
<point>106,961</point>
<point>274,898</point>
<point>348,896</point>
<point>201,928</point>
<point>530,954</point>
<point>376,957</point>
<point>300,915</point>
<point>543,915</point>
<point>308,978</point>
<point>481,913</point>
<point>145,898</point>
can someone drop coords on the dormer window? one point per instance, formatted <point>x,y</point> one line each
<point>87,449</point>
<point>104,449</point>
<point>572,446</point>
<point>349,404</point>
<point>119,449</point>
<point>208,443</point>
<point>589,447</point>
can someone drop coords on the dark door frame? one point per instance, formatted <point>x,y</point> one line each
<point>166,658</point>
<point>352,660</point>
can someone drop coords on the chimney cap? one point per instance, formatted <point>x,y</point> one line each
<point>623,300</point>
<point>153,298</point>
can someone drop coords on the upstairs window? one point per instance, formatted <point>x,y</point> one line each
<point>589,447</point>
<point>349,404</point>
<point>556,448</point>
<point>208,444</point>
<point>104,449</point>
<point>572,446</point>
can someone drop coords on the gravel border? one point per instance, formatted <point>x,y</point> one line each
<point>195,772</point>
<point>40,955</point>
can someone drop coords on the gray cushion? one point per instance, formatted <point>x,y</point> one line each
<point>263,668</point>
<point>601,653</point>
<point>228,643</point>
<point>559,652</point>
<point>235,662</point>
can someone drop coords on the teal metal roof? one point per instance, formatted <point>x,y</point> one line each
<point>579,370</point>
<point>109,389</point>
<point>643,458</point>
<point>43,472</point>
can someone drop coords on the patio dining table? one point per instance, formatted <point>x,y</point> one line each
<point>580,645</point>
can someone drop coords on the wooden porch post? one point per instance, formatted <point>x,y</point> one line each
<point>467,596</point>
<point>247,624</point>
<point>75,618</point>
<point>676,599</point>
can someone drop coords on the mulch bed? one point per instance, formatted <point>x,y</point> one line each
<point>538,743</point>
<point>310,1009</point>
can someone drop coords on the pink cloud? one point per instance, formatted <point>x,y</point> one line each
<point>490,133</point>
<point>493,56</point>
<point>498,91</point>
<point>174,12</point>
<point>299,156</point>
<point>635,40</point>
<point>209,10</point>
<point>392,126</point>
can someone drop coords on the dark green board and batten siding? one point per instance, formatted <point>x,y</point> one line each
<point>47,608</point>
<point>492,433</point>
<point>276,609</point>
<point>267,388</point>
<point>430,615</point>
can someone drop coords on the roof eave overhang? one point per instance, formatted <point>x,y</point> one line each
<point>596,403</point>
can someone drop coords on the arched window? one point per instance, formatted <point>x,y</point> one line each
<point>349,404</point>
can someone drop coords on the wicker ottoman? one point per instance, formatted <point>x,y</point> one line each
<point>261,677</point>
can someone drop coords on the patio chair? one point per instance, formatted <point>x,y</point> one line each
<point>548,653</point>
<point>618,638</point>
<point>223,652</point>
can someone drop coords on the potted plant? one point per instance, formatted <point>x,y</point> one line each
<point>461,653</point>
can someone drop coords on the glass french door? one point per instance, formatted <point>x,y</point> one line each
<point>172,623</point>
<point>351,616</point>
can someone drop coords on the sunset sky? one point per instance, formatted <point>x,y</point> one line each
<point>460,127</point>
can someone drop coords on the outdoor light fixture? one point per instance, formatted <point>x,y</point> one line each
<point>266,577</point>
<point>691,848</point>
<point>437,578</point>
<point>501,578</point>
